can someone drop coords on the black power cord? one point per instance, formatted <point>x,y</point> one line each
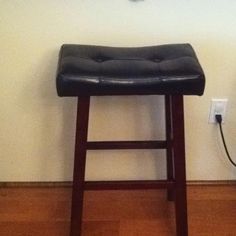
<point>219,121</point>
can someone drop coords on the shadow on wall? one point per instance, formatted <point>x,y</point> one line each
<point>154,106</point>
<point>128,118</point>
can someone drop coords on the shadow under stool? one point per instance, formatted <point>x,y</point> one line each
<point>171,70</point>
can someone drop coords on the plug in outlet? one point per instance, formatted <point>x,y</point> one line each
<point>218,107</point>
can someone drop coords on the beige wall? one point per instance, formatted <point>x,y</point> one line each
<point>37,127</point>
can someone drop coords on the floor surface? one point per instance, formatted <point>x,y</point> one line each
<point>46,212</point>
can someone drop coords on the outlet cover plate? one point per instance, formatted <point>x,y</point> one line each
<point>218,106</point>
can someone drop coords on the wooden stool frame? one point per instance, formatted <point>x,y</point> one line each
<point>175,150</point>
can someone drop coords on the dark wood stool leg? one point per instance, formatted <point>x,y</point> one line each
<point>169,153</point>
<point>179,165</point>
<point>79,165</point>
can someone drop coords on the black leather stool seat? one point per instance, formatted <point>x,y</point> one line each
<point>98,70</point>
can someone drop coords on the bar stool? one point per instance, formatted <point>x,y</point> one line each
<point>171,70</point>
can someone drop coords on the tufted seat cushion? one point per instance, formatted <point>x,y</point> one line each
<point>97,70</point>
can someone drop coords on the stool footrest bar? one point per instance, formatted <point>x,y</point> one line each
<point>103,145</point>
<point>133,184</point>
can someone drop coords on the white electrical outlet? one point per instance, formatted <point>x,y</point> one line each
<point>218,107</point>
